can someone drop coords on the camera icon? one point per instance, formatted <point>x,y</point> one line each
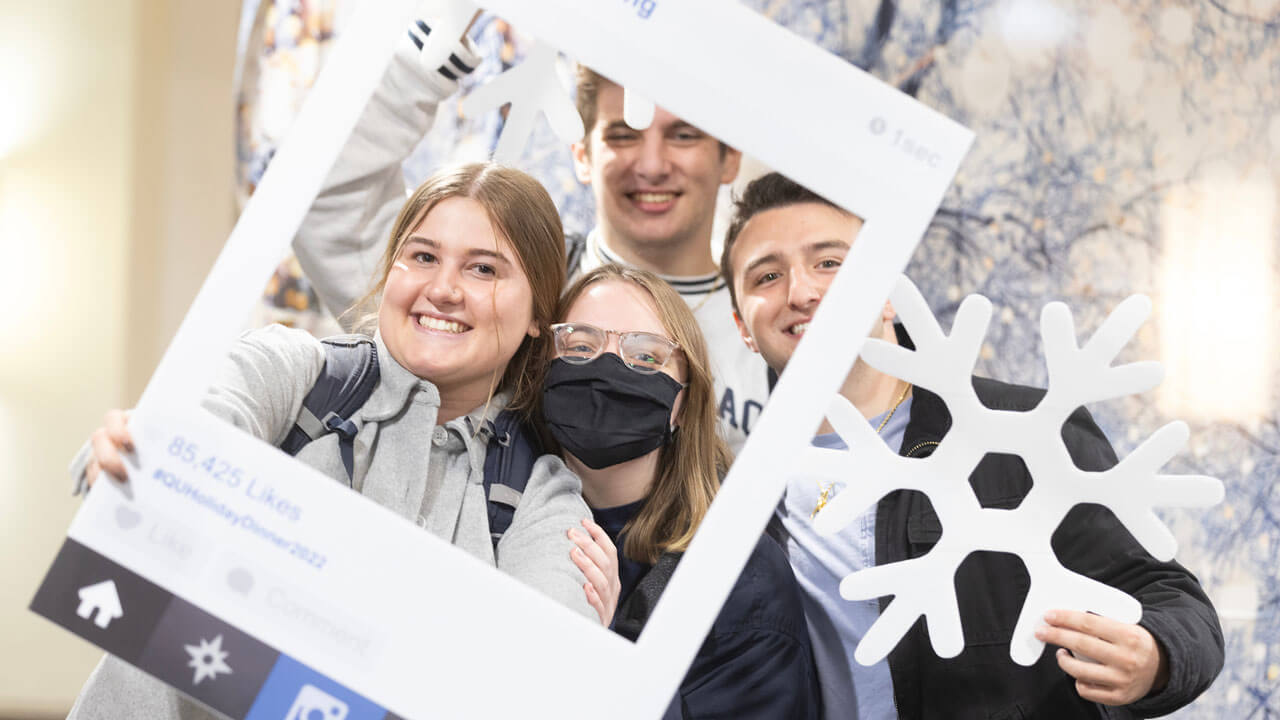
<point>313,703</point>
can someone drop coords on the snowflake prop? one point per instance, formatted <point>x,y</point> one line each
<point>943,364</point>
<point>532,88</point>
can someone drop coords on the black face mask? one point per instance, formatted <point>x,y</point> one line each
<point>604,412</point>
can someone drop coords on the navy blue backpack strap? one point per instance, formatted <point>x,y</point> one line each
<point>347,380</point>
<point>513,449</point>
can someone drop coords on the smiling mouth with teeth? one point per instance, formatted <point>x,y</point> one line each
<point>798,329</point>
<point>448,326</point>
<point>653,197</point>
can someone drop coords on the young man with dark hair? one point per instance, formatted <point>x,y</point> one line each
<point>783,249</point>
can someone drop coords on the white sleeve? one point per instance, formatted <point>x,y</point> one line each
<point>344,234</point>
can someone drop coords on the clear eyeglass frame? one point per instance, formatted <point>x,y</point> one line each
<point>644,352</point>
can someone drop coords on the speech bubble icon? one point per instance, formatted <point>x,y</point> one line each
<point>127,518</point>
<point>240,581</point>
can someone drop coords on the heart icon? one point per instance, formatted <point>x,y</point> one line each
<point>240,580</point>
<point>127,518</point>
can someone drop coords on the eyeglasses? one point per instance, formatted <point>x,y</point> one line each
<point>580,343</point>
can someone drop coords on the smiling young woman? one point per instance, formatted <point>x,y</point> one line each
<point>465,295</point>
<point>451,259</point>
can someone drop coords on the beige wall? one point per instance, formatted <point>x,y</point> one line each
<point>115,195</point>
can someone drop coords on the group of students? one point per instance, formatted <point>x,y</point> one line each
<point>632,379</point>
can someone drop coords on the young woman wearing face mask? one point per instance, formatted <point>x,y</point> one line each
<point>467,289</point>
<point>629,398</point>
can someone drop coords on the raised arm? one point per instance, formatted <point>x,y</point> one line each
<point>346,230</point>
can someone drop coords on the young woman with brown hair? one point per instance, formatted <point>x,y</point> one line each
<point>466,292</point>
<point>629,397</point>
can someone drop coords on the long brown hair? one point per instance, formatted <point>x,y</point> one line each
<point>690,466</point>
<point>522,212</point>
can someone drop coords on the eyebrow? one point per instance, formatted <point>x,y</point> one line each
<point>471,252</point>
<point>809,249</point>
<point>762,260</point>
<point>673,126</point>
<point>618,125</point>
<point>821,245</point>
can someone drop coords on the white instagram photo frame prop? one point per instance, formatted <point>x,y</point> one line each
<point>441,641</point>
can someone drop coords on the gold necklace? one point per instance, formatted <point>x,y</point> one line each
<point>826,490</point>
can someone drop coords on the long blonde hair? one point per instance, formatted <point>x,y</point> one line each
<point>691,464</point>
<point>522,212</point>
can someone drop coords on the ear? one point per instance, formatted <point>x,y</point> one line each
<point>729,165</point>
<point>582,160</point>
<point>534,331</point>
<point>887,314</point>
<point>745,333</point>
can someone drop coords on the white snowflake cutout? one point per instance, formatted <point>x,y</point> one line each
<point>943,364</point>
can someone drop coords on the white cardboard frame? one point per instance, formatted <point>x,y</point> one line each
<point>802,111</point>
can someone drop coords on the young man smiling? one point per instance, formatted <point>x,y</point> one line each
<point>782,251</point>
<point>655,191</point>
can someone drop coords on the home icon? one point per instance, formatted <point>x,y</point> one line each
<point>100,598</point>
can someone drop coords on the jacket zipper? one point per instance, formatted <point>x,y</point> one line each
<point>909,453</point>
<point>912,451</point>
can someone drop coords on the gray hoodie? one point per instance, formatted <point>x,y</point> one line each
<point>427,473</point>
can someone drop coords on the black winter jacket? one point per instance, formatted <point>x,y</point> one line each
<point>756,662</point>
<point>982,682</point>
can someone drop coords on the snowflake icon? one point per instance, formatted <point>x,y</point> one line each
<point>943,364</point>
<point>209,659</point>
